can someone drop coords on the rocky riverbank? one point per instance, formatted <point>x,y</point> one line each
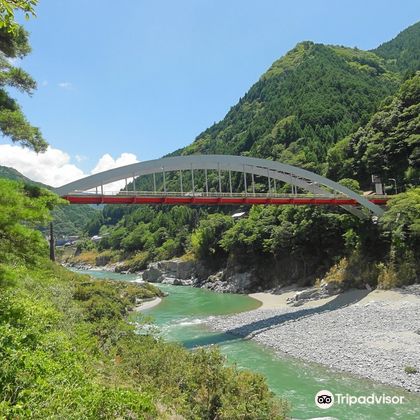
<point>371,334</point>
<point>193,273</point>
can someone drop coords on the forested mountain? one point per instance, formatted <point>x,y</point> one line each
<point>388,145</point>
<point>403,52</point>
<point>68,220</point>
<point>308,100</point>
<point>339,111</point>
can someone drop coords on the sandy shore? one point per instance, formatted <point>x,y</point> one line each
<point>273,301</point>
<point>371,334</point>
<point>147,304</point>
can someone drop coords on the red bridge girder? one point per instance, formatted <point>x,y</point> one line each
<point>216,201</point>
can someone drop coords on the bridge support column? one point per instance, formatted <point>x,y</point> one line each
<point>230,181</point>
<point>207,182</point>
<point>245,183</point>
<point>291,183</point>
<point>269,181</point>
<point>164,179</point>
<point>192,180</point>
<point>253,183</point>
<point>180,182</point>
<point>154,182</point>
<point>220,179</point>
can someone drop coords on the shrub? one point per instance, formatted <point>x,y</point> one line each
<point>410,370</point>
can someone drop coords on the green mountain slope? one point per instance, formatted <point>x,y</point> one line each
<point>10,173</point>
<point>388,145</point>
<point>308,100</point>
<point>68,220</point>
<point>403,52</point>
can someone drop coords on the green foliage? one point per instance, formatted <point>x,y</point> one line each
<point>307,101</point>
<point>401,225</point>
<point>67,350</point>
<point>145,234</point>
<point>8,8</point>
<point>22,207</point>
<point>68,220</point>
<point>389,145</point>
<point>411,370</point>
<point>205,239</point>
<point>403,52</point>
<point>351,184</point>
<point>402,220</point>
<point>72,219</point>
<point>14,43</point>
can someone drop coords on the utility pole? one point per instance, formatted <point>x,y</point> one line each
<point>52,244</point>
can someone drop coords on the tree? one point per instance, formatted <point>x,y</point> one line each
<point>402,220</point>
<point>23,207</point>
<point>8,9</point>
<point>205,239</point>
<point>14,44</point>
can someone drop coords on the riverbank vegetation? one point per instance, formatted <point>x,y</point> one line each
<point>68,350</point>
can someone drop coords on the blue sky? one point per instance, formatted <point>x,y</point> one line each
<point>146,77</point>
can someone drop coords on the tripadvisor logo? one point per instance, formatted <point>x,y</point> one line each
<point>325,399</point>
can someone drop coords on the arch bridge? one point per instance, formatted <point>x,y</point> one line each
<point>218,180</point>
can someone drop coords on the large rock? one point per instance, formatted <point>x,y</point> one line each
<point>174,271</point>
<point>177,282</point>
<point>314,293</point>
<point>230,283</point>
<point>177,268</point>
<point>329,289</point>
<point>240,282</point>
<point>152,274</point>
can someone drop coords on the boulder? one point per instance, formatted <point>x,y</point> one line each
<point>229,283</point>
<point>174,271</point>
<point>330,289</point>
<point>307,294</point>
<point>240,282</point>
<point>152,274</point>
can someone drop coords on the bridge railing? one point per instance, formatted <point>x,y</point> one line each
<point>214,194</point>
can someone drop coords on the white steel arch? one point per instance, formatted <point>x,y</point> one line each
<point>289,174</point>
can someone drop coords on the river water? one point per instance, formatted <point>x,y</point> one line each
<point>181,317</point>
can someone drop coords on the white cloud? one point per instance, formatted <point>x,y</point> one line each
<point>65,85</point>
<point>80,158</point>
<point>108,162</point>
<point>54,167</point>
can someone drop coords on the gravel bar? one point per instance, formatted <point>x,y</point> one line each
<point>372,339</point>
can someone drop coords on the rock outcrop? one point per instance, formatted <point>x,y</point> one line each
<point>230,282</point>
<point>174,271</point>
<point>324,290</point>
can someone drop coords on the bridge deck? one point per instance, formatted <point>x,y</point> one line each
<point>199,198</point>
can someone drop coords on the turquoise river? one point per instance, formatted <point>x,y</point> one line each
<point>181,317</point>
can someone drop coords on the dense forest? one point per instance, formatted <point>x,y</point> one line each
<point>68,220</point>
<point>341,112</point>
